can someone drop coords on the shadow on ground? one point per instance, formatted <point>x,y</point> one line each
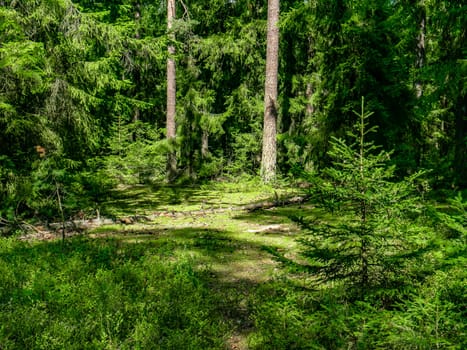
<point>144,199</point>
<point>280,214</point>
<point>229,270</point>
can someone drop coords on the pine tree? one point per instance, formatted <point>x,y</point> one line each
<point>368,239</point>
<point>171,92</point>
<point>268,160</point>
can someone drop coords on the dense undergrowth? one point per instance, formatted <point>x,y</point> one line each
<point>201,283</point>
<point>369,262</point>
<point>102,294</point>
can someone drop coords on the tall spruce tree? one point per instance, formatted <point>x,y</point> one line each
<point>446,69</point>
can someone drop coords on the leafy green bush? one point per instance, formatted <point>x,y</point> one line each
<point>430,316</point>
<point>282,320</point>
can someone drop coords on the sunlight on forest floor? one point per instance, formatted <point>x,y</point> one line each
<point>231,245</point>
<point>145,199</point>
<point>228,246</point>
<point>188,275</point>
<point>228,243</point>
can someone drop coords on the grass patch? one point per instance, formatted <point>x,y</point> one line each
<point>146,199</point>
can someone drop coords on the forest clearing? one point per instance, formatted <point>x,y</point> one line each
<point>208,280</point>
<point>233,174</point>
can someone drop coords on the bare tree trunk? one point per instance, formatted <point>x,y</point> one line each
<point>171,94</point>
<point>204,144</point>
<point>420,50</point>
<point>268,161</point>
<point>136,74</point>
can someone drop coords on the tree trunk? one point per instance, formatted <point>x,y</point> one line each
<point>171,94</point>
<point>420,51</point>
<point>205,144</point>
<point>268,161</point>
<point>460,138</point>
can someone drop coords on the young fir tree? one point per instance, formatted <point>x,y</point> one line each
<point>371,235</point>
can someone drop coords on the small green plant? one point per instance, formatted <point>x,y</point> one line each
<point>373,233</point>
<point>455,220</point>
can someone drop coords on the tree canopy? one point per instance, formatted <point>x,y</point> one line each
<point>85,81</point>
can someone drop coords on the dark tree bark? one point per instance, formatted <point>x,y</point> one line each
<point>269,156</point>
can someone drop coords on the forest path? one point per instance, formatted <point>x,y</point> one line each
<point>224,229</point>
<point>227,247</point>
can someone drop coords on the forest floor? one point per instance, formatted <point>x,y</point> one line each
<point>225,229</point>
<point>226,241</point>
<point>194,268</point>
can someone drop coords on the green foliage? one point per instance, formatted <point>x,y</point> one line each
<point>206,282</point>
<point>376,232</point>
<point>431,317</point>
<point>455,217</point>
<point>82,110</point>
<point>427,318</point>
<point>88,295</point>
<point>138,155</point>
<point>74,72</point>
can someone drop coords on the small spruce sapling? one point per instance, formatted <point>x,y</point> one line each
<point>372,234</point>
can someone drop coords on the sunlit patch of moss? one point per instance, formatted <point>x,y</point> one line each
<point>146,199</point>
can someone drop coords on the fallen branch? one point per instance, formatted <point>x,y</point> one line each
<point>7,226</point>
<point>73,227</point>
<point>212,210</point>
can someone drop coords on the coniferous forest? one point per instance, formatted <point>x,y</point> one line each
<point>233,174</point>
